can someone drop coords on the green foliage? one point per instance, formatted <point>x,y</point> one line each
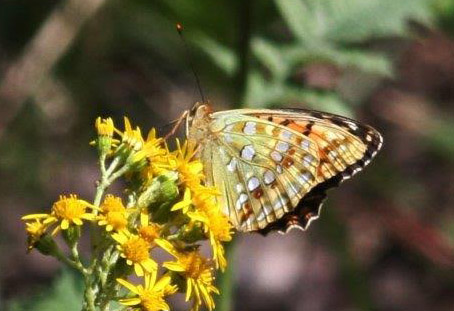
<point>323,31</point>
<point>64,294</point>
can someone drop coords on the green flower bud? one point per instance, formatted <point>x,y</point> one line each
<point>192,234</point>
<point>162,189</point>
<point>104,143</point>
<point>46,245</point>
<point>71,235</point>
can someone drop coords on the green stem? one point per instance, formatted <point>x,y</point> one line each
<point>351,273</point>
<point>73,264</point>
<point>245,9</point>
<point>225,281</point>
<point>89,296</point>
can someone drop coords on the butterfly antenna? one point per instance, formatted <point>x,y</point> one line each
<point>190,60</point>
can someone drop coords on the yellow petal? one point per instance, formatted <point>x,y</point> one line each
<point>173,266</point>
<point>78,222</point>
<point>130,301</point>
<point>55,231</point>
<point>167,246</point>
<point>64,224</point>
<point>120,238</point>
<point>188,289</point>
<point>144,218</point>
<point>34,216</point>
<point>138,269</point>
<point>162,283</point>
<point>128,285</point>
<point>149,265</point>
<point>150,279</point>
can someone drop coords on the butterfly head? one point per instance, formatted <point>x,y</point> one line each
<point>198,121</point>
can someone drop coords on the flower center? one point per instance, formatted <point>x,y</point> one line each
<point>136,249</point>
<point>69,208</point>
<point>112,204</point>
<point>194,265</point>
<point>149,233</point>
<point>117,220</point>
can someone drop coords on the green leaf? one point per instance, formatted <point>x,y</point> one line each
<point>369,62</point>
<point>64,294</point>
<point>270,56</point>
<point>358,20</point>
<point>299,19</point>
<point>220,55</point>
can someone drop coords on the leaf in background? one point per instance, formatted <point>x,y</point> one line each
<point>350,20</point>
<point>64,294</point>
<point>270,56</point>
<point>358,20</point>
<point>222,56</point>
<point>299,19</point>
<point>369,62</point>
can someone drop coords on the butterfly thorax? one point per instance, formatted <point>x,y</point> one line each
<point>201,124</point>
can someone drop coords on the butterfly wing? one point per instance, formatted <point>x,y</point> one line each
<point>345,148</point>
<point>274,166</point>
<point>262,169</point>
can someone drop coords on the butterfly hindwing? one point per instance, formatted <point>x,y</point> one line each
<point>263,169</point>
<point>273,167</point>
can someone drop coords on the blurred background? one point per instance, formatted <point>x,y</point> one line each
<point>385,239</point>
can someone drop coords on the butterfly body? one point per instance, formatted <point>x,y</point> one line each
<point>273,167</point>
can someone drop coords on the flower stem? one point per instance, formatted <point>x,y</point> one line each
<point>225,281</point>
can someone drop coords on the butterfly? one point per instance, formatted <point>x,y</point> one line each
<point>273,167</point>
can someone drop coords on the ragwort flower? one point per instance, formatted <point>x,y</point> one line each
<point>136,251</point>
<point>151,296</point>
<point>148,231</point>
<point>68,210</point>
<point>198,273</point>
<point>113,214</point>
<point>189,169</point>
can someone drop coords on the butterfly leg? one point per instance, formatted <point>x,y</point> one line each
<point>177,124</point>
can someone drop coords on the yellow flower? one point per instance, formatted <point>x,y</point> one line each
<point>35,230</point>
<point>201,197</point>
<point>104,127</point>
<point>131,137</point>
<point>158,156</point>
<point>113,214</point>
<point>185,203</point>
<point>190,170</point>
<point>148,231</point>
<point>114,221</point>
<point>68,210</point>
<point>198,273</point>
<point>218,229</point>
<point>136,251</point>
<point>112,204</point>
<point>151,296</point>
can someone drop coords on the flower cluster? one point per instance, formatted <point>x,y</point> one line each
<point>167,207</point>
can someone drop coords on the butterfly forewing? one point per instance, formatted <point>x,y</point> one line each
<point>274,166</point>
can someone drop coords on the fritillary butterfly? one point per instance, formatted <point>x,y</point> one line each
<point>273,167</point>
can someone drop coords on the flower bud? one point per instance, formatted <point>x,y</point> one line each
<point>71,235</point>
<point>45,245</point>
<point>162,189</point>
<point>105,129</point>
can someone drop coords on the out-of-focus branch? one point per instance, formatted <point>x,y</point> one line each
<point>22,78</point>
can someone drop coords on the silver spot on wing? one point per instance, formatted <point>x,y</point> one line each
<point>248,152</point>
